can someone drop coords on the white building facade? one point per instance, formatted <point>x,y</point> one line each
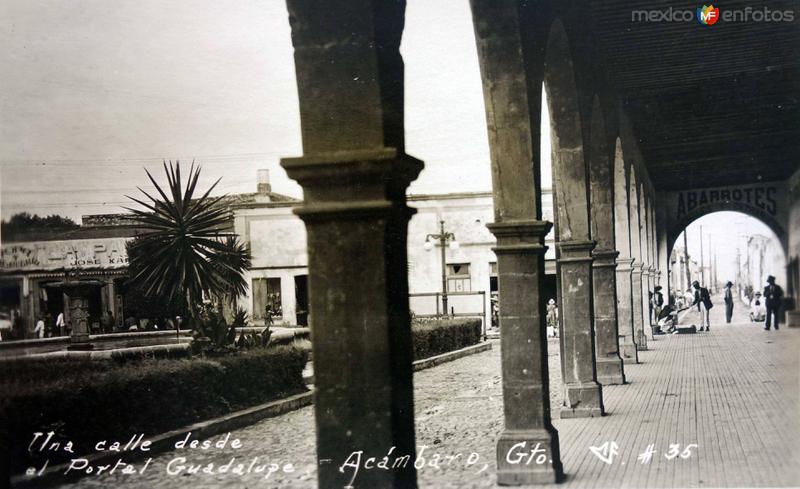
<point>279,274</point>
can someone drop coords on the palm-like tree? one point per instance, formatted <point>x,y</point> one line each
<point>182,252</point>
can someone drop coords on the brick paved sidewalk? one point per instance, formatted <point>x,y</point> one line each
<point>733,391</point>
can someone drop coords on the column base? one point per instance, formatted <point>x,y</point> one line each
<point>641,341</point>
<point>583,401</point>
<point>528,457</point>
<point>628,352</point>
<point>793,319</point>
<point>609,371</point>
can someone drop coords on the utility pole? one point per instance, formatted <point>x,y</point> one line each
<point>714,263</point>
<point>443,238</point>
<point>686,261</point>
<point>702,260</point>
<point>739,271</point>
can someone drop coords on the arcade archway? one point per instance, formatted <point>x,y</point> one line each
<point>723,246</point>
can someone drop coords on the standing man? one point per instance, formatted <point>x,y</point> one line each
<point>703,301</point>
<point>728,302</point>
<point>60,324</point>
<point>773,294</point>
<point>108,322</point>
<point>658,303</point>
<point>38,331</point>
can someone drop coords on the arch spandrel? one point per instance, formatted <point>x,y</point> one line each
<point>768,202</point>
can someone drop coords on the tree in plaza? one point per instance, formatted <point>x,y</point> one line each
<point>24,222</point>
<point>182,251</point>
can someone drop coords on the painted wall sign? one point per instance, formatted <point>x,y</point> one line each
<point>88,254</point>
<point>764,197</point>
<point>766,201</point>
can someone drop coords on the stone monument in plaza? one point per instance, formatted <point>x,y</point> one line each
<point>78,292</point>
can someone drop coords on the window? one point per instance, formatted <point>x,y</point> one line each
<point>458,279</point>
<point>267,295</point>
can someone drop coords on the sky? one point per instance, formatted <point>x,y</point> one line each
<point>93,92</point>
<point>724,234</point>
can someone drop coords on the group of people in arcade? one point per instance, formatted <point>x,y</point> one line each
<point>763,307</point>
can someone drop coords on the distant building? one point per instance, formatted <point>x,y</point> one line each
<point>32,263</point>
<point>279,276</point>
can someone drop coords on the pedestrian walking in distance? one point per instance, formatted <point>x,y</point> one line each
<point>703,301</point>
<point>773,294</point>
<point>728,302</point>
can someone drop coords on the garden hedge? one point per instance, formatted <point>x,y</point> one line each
<point>436,336</point>
<point>89,402</point>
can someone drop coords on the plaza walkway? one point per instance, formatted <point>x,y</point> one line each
<point>728,399</point>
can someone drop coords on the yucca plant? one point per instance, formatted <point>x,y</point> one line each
<point>181,253</point>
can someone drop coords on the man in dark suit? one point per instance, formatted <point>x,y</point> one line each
<point>703,301</point>
<point>728,302</point>
<point>773,294</point>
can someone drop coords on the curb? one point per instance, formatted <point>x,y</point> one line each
<point>450,356</point>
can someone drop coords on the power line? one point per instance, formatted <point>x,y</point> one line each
<point>198,159</point>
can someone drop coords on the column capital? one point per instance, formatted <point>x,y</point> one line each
<point>625,263</point>
<point>352,184</point>
<point>638,268</point>
<point>605,258</point>
<point>575,251</point>
<point>520,236</point>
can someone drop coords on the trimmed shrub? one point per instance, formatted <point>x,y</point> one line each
<point>434,337</point>
<point>116,401</point>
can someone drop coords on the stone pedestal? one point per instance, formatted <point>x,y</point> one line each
<point>526,395</point>
<point>627,332</point>
<point>640,338</point>
<point>583,396</point>
<point>79,292</point>
<point>609,364</point>
<point>356,217</point>
<point>793,319</point>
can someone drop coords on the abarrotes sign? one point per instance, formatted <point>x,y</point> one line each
<point>767,201</point>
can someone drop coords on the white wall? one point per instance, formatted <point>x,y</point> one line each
<point>277,239</point>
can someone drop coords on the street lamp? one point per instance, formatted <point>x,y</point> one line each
<point>443,238</point>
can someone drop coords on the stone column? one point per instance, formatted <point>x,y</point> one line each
<point>583,396</point>
<point>604,280</point>
<point>627,331</point>
<point>622,240</point>
<point>526,393</point>
<point>609,364</point>
<point>354,175</point>
<point>651,285</point>
<point>512,87</point>
<point>638,307</point>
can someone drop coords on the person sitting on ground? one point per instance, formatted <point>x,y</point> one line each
<point>758,311</point>
<point>666,320</point>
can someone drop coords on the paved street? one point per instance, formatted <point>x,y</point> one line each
<point>730,392</point>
